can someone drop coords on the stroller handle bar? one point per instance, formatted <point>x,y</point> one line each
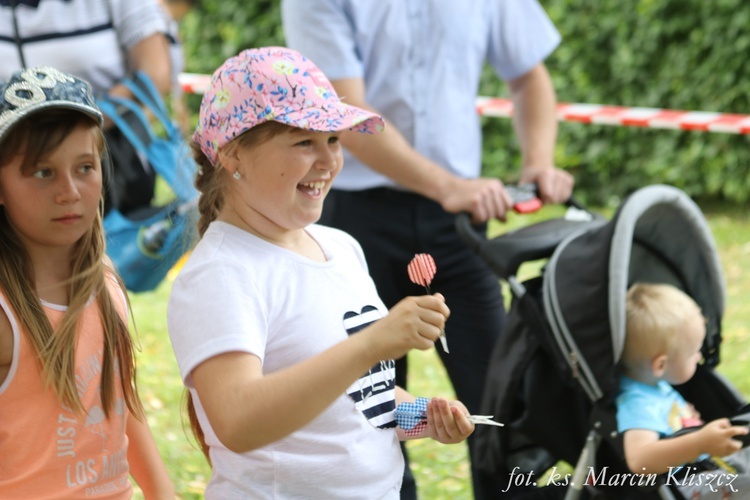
<point>505,253</point>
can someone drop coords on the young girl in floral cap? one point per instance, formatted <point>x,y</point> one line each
<point>278,330</point>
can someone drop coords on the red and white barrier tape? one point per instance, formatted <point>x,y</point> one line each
<point>193,83</point>
<point>585,113</point>
<point>631,117</point>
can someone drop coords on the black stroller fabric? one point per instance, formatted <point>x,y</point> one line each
<point>546,417</point>
<point>554,370</point>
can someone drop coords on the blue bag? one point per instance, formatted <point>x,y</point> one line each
<point>146,243</point>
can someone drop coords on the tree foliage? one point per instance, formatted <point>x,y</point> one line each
<point>674,54</point>
<point>218,29</point>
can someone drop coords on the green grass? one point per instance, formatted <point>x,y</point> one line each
<point>441,471</point>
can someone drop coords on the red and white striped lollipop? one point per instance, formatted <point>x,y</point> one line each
<point>421,270</point>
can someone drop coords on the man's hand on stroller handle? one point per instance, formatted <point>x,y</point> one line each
<point>488,198</point>
<point>484,198</point>
<point>521,198</point>
<point>554,185</point>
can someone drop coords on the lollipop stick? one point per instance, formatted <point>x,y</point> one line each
<point>443,340</point>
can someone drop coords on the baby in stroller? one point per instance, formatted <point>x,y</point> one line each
<point>665,331</point>
<point>555,370</point>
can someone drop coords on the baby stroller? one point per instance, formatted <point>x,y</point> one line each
<point>553,375</point>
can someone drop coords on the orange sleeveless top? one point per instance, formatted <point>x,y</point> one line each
<point>46,450</point>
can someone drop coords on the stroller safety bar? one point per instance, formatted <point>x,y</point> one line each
<point>505,253</point>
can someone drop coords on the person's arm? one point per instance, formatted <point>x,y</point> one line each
<point>447,421</point>
<point>646,453</point>
<point>146,466</point>
<point>150,55</point>
<point>390,154</point>
<point>535,123</point>
<point>248,409</point>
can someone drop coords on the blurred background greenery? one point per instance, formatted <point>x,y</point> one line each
<point>676,54</point>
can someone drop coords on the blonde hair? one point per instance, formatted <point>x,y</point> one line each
<point>211,183</point>
<point>655,314</point>
<point>35,138</point>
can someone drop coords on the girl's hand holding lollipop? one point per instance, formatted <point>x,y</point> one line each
<point>421,270</point>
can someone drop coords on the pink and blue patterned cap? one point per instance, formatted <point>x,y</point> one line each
<point>273,84</point>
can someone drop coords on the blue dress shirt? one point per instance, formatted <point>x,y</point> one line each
<point>421,61</point>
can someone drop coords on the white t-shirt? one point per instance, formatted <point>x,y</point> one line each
<point>240,293</point>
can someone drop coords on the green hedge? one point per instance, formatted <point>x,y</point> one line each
<point>676,54</point>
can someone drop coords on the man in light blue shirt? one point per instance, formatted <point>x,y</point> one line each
<point>418,63</point>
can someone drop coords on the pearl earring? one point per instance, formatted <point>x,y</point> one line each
<point>237,175</point>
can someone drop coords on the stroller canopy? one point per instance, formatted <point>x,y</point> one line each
<point>658,235</point>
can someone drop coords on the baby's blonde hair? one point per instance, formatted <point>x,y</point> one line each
<point>655,313</point>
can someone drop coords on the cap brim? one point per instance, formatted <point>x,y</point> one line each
<point>334,117</point>
<point>21,114</point>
